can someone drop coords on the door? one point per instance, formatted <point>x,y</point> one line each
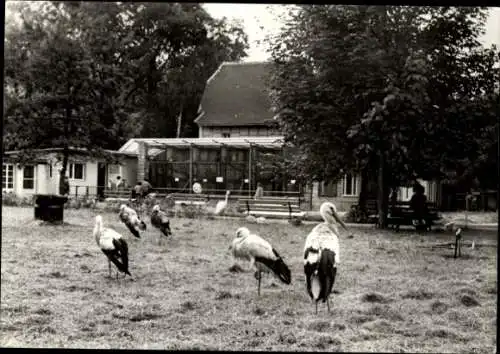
<point>101,179</point>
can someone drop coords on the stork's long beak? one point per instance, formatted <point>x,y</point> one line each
<point>337,218</point>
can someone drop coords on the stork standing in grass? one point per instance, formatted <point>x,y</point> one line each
<point>113,246</point>
<point>159,219</point>
<point>130,218</point>
<point>262,256</point>
<point>322,255</point>
<point>221,206</point>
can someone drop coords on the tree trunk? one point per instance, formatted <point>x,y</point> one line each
<point>66,123</point>
<point>63,170</point>
<point>363,193</point>
<point>382,198</point>
<point>179,122</point>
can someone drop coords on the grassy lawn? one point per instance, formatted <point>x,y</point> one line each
<point>393,295</point>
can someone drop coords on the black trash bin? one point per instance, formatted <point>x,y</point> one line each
<point>50,207</point>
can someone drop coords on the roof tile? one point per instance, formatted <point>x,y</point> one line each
<point>237,95</point>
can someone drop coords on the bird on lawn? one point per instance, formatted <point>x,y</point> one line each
<point>262,256</point>
<point>160,220</point>
<point>458,243</point>
<point>113,246</point>
<point>221,205</point>
<point>322,255</point>
<point>130,218</point>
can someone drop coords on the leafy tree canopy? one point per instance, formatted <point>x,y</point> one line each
<point>411,83</point>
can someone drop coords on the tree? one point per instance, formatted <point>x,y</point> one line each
<point>82,74</point>
<point>362,89</point>
<point>173,49</point>
<point>51,101</point>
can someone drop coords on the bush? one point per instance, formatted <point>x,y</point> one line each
<point>11,199</point>
<point>80,202</point>
<point>356,215</point>
<point>193,211</point>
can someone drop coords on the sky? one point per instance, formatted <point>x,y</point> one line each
<point>258,21</point>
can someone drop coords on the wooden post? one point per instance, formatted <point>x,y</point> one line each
<point>87,191</point>
<point>284,182</point>
<point>250,170</point>
<point>76,192</point>
<point>190,167</point>
<point>224,164</point>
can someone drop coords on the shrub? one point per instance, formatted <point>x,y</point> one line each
<point>80,202</point>
<point>356,215</point>
<point>193,211</point>
<point>11,199</point>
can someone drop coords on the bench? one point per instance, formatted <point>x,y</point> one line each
<point>401,214</point>
<point>278,206</point>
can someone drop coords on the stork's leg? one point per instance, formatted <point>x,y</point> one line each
<point>328,304</point>
<point>109,267</point>
<point>258,279</point>
<point>316,304</point>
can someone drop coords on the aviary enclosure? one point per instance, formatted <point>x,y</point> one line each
<point>221,166</point>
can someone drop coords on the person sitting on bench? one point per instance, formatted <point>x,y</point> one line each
<point>418,205</point>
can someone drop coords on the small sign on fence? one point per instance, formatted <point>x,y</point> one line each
<point>219,179</point>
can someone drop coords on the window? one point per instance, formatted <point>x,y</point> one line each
<point>226,135</point>
<point>350,185</point>
<point>76,171</point>
<point>7,177</point>
<point>29,177</point>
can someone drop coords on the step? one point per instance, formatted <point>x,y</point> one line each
<point>276,214</point>
<point>269,206</point>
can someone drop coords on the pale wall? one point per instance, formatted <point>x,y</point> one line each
<point>40,185</point>
<point>127,170</point>
<point>44,184</point>
<point>216,132</point>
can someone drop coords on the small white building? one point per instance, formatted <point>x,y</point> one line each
<point>87,175</point>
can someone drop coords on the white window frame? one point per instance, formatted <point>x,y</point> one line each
<point>33,178</point>
<point>6,167</point>
<point>354,186</point>
<point>71,171</point>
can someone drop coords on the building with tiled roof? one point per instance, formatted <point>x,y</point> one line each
<point>236,102</point>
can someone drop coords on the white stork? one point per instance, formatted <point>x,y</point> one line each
<point>159,219</point>
<point>221,205</point>
<point>113,246</point>
<point>322,255</point>
<point>261,255</point>
<point>130,218</point>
